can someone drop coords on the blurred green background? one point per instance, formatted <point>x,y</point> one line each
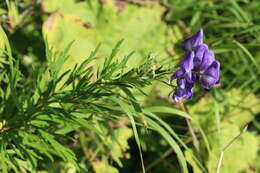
<point>154,28</point>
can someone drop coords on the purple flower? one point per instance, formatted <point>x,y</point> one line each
<point>184,90</point>
<point>199,63</point>
<point>192,42</point>
<point>211,76</point>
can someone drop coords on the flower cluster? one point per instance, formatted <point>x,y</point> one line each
<point>198,64</point>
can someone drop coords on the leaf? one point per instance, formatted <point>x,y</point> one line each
<point>4,43</point>
<point>103,167</point>
<point>127,109</point>
<point>171,142</point>
<point>239,156</point>
<point>171,131</point>
<point>2,11</point>
<point>248,54</point>
<point>233,113</point>
<point>13,14</point>
<point>54,5</point>
<point>65,153</point>
<point>191,161</point>
<point>117,142</point>
<point>87,26</point>
<point>244,107</point>
<point>237,108</point>
<point>168,110</point>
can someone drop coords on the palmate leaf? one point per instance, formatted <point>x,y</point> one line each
<point>221,122</point>
<point>239,156</point>
<point>91,22</point>
<point>103,166</point>
<point>69,21</point>
<point>117,142</point>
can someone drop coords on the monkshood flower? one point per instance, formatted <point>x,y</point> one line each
<point>199,63</point>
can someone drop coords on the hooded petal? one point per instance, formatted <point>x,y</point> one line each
<point>189,85</point>
<point>183,91</point>
<point>210,76</point>
<point>187,63</point>
<point>179,73</point>
<point>189,76</point>
<point>213,70</point>
<point>186,69</point>
<point>182,94</point>
<point>195,40</point>
<point>199,53</point>
<point>181,83</point>
<point>207,60</point>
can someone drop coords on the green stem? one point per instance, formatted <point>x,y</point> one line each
<point>227,146</point>
<point>194,137</point>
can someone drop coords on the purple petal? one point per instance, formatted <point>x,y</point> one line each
<point>187,63</point>
<point>184,90</point>
<point>210,76</point>
<point>207,60</point>
<point>199,53</point>
<point>186,68</point>
<point>207,81</point>
<point>189,85</point>
<point>182,94</point>
<point>176,75</point>
<point>213,70</point>
<point>181,83</point>
<point>188,76</point>
<point>195,40</point>
<point>179,73</point>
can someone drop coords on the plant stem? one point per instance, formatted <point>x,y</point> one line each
<point>194,137</point>
<point>220,161</point>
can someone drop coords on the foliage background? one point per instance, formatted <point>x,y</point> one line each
<point>153,29</point>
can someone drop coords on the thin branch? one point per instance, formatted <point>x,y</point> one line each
<point>194,137</point>
<point>227,146</point>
